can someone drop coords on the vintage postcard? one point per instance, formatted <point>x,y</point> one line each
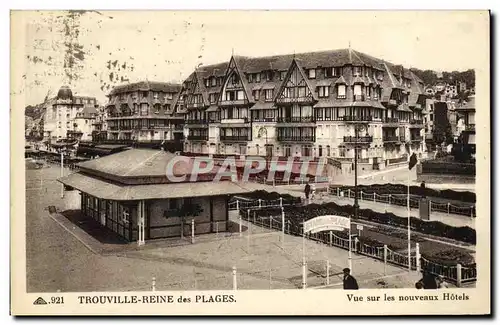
<point>250,162</point>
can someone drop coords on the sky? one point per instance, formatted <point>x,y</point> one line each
<point>106,48</point>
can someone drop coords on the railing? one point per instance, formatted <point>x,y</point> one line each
<point>295,119</point>
<point>359,98</point>
<point>350,118</point>
<point>417,138</point>
<point>235,138</point>
<point>402,138</point>
<point>304,138</point>
<point>362,139</point>
<point>390,120</point>
<point>419,122</point>
<point>264,119</point>
<point>391,138</point>
<point>195,121</point>
<point>402,200</point>
<point>234,120</point>
<point>198,137</point>
<point>456,274</point>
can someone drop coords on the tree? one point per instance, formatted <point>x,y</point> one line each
<point>442,133</point>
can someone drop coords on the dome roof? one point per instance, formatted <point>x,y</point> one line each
<point>65,93</point>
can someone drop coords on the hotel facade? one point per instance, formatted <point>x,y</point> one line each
<point>309,104</point>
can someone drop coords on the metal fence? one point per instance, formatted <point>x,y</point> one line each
<point>402,200</point>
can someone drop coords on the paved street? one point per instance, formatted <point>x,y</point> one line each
<point>57,260</point>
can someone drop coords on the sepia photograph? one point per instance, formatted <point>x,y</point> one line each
<point>176,158</point>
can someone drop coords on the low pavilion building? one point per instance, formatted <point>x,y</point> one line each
<point>132,194</point>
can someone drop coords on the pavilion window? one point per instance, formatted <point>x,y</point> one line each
<point>256,94</point>
<point>312,73</point>
<point>319,113</point>
<point>230,95</point>
<point>282,75</point>
<point>341,91</point>
<point>328,113</point>
<point>302,92</point>
<point>207,82</point>
<point>307,111</point>
<point>257,77</point>
<point>356,71</point>
<point>329,72</point>
<point>269,75</point>
<point>357,90</point>
<point>250,77</point>
<point>240,95</point>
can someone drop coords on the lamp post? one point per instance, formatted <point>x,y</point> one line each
<point>357,128</point>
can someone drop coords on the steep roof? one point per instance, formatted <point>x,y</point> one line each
<point>146,86</point>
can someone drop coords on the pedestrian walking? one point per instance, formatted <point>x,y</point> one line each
<point>307,191</point>
<point>313,192</point>
<point>350,282</point>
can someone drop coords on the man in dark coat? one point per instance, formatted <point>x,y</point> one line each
<point>428,281</point>
<point>307,190</point>
<point>350,282</point>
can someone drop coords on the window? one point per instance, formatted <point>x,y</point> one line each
<point>169,96</point>
<point>341,91</point>
<point>329,72</point>
<point>250,78</point>
<point>240,95</point>
<point>207,82</point>
<point>328,113</point>
<point>256,94</point>
<point>431,116</point>
<point>257,77</point>
<point>356,71</point>
<point>144,94</point>
<point>357,90</point>
<point>213,81</point>
<point>235,79</point>
<point>341,151</point>
<point>319,114</point>
<point>312,73</point>
<point>375,93</point>
<point>269,75</point>
<point>323,91</point>
<point>288,151</point>
<point>212,98</point>
<point>302,92</point>
<point>230,95</point>
<point>173,204</point>
<point>269,94</point>
<point>282,75</point>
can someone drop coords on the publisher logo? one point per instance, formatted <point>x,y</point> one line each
<point>39,301</point>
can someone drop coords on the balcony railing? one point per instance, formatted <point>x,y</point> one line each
<point>359,98</point>
<point>202,121</point>
<point>233,102</point>
<point>350,118</point>
<point>417,138</point>
<point>470,127</point>
<point>294,138</point>
<point>295,119</point>
<point>198,137</point>
<point>416,122</point>
<point>235,138</point>
<point>361,139</point>
<point>234,120</point>
<point>391,120</point>
<point>264,119</point>
<point>391,138</point>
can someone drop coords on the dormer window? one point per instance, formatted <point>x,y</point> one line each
<point>169,96</point>
<point>323,91</point>
<point>282,75</point>
<point>329,72</point>
<point>250,78</point>
<point>207,82</point>
<point>213,81</point>
<point>155,95</point>
<point>356,71</point>
<point>256,95</point>
<point>269,75</point>
<point>341,91</point>
<point>311,73</point>
<point>257,77</point>
<point>235,79</point>
<point>144,94</point>
<point>269,94</point>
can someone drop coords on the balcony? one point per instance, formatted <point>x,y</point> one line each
<point>197,137</point>
<point>361,139</point>
<point>390,138</point>
<point>264,119</point>
<point>236,102</point>
<point>357,119</point>
<point>243,138</point>
<point>402,138</point>
<point>288,100</point>
<point>235,120</point>
<point>199,121</point>
<point>416,123</point>
<point>295,119</point>
<point>417,138</point>
<point>294,138</point>
<point>390,122</point>
<point>470,127</point>
<point>194,105</point>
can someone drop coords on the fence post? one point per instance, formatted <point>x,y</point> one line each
<point>235,280</point>
<point>356,241</point>
<point>331,238</point>
<point>430,207</point>
<point>270,222</point>
<point>389,199</point>
<point>385,259</point>
<point>472,212</point>
<point>153,284</point>
<point>361,195</point>
<point>254,217</point>
<point>237,205</point>
<point>304,275</point>
<point>459,275</point>
<point>283,223</point>
<point>240,226</point>
<point>327,272</point>
<point>349,193</point>
<point>260,203</point>
<point>274,183</point>
<point>338,192</point>
<point>288,225</point>
<point>448,207</point>
<point>417,256</point>
<point>281,201</point>
<point>192,231</point>
<point>374,198</point>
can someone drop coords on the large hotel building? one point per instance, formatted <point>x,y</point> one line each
<point>308,104</point>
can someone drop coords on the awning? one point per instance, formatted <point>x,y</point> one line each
<point>108,191</point>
